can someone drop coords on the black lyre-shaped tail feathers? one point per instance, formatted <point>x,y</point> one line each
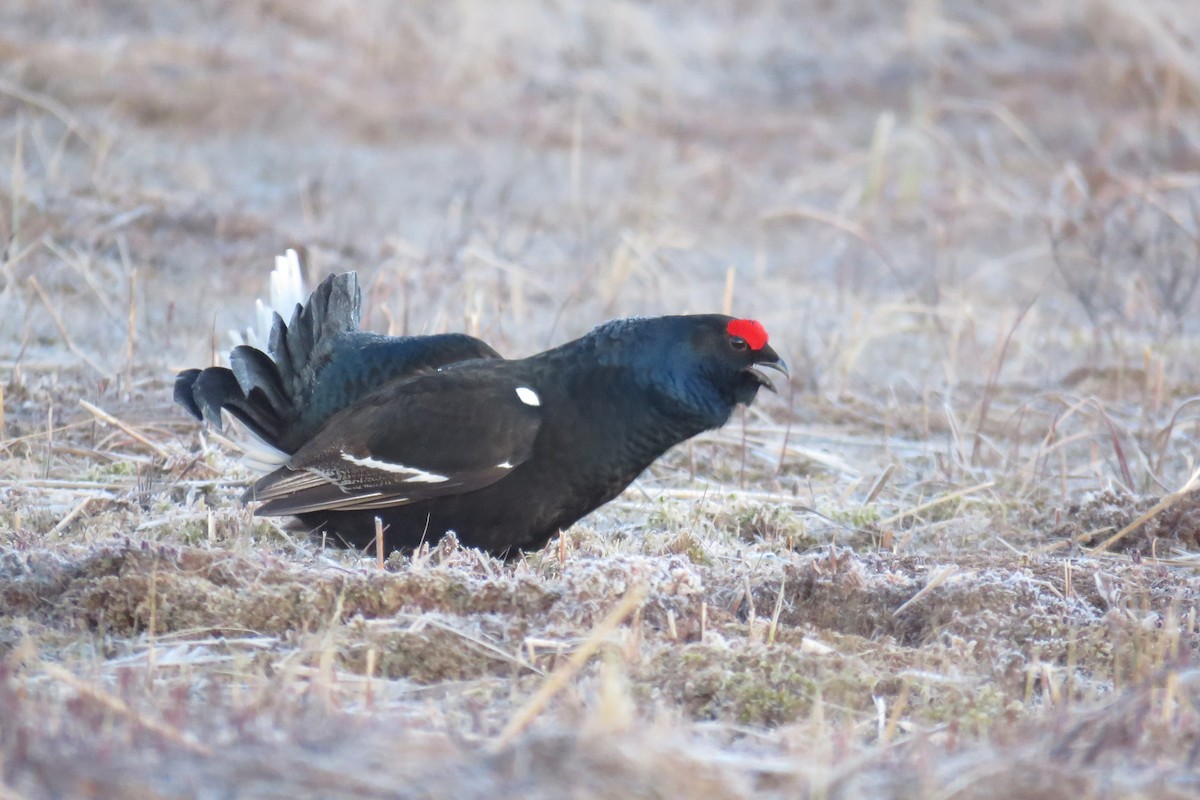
<point>185,382</point>
<point>206,392</point>
<point>333,309</point>
<point>319,363</point>
<point>264,393</point>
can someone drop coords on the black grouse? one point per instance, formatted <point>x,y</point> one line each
<point>440,433</point>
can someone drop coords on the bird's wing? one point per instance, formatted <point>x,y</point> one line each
<point>433,435</point>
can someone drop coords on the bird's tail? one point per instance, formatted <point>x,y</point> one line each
<point>285,292</point>
<point>266,392</point>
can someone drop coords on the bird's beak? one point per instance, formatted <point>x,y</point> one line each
<point>766,358</point>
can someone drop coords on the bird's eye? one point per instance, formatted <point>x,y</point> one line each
<point>737,343</point>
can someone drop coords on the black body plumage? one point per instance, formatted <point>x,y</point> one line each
<point>438,433</point>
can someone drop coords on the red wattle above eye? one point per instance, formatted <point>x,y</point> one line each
<point>750,330</point>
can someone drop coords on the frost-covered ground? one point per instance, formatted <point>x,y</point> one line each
<point>973,229</point>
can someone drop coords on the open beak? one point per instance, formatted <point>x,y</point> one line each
<point>767,358</point>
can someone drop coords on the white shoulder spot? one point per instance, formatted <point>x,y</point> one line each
<point>528,396</point>
<point>416,475</point>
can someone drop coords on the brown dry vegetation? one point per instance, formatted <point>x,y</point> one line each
<point>972,228</point>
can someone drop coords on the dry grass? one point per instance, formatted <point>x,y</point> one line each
<point>955,560</point>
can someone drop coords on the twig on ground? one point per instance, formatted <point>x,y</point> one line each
<point>560,677</point>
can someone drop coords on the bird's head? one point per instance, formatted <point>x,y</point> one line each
<point>702,365</point>
<point>738,356</point>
